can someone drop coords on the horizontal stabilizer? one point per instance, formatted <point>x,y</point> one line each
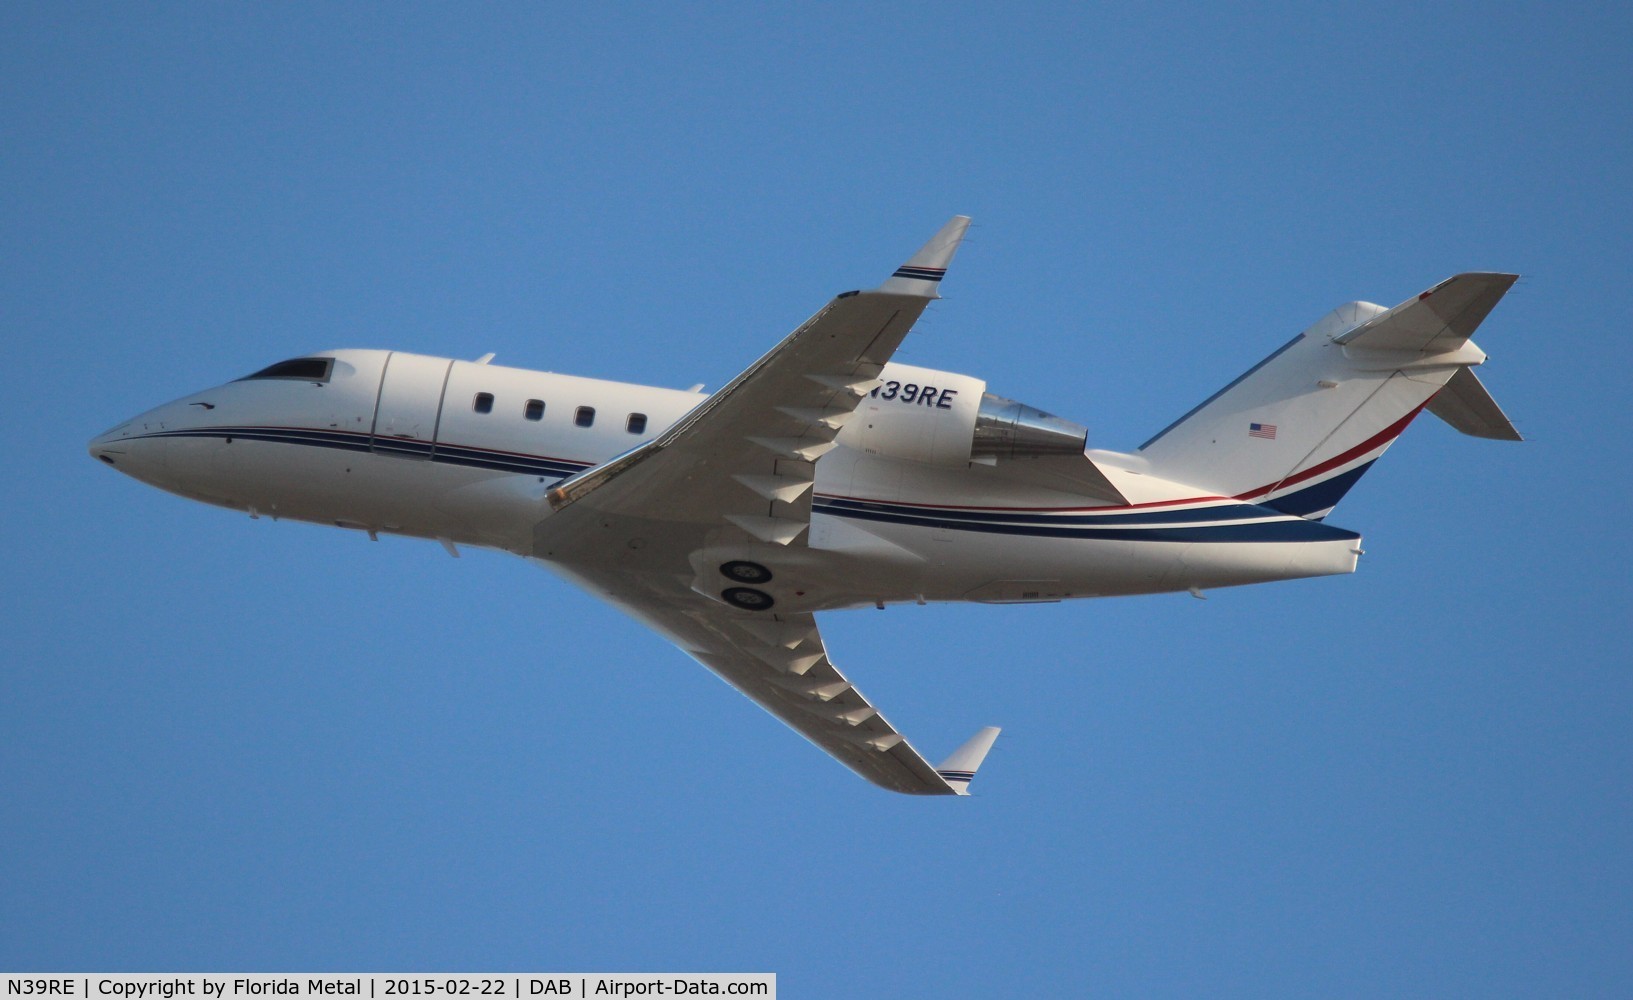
<point>1467,406</point>
<point>1440,320</point>
<point>959,769</point>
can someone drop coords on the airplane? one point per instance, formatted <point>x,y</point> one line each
<point>827,476</point>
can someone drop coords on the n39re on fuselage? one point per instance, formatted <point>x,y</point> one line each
<point>827,476</point>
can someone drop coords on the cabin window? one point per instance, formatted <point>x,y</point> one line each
<point>298,369</point>
<point>535,409</point>
<point>584,416</point>
<point>484,402</point>
<point>637,423</point>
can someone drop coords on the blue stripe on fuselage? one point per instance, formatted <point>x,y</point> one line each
<point>1112,517</point>
<point>1322,496</point>
<point>1226,522</point>
<point>481,458</point>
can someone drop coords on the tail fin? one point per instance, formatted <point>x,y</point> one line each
<point>1298,429</point>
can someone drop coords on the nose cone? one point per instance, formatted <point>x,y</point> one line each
<point>130,451</point>
<point>105,446</point>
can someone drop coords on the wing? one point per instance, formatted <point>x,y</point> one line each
<point>727,490</point>
<point>750,445</point>
<point>779,660</point>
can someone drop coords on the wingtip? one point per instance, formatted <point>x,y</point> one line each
<point>959,769</point>
<point>922,273</point>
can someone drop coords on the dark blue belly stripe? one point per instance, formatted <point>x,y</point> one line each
<point>1283,529</point>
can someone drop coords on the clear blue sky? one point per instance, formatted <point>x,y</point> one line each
<point>234,744</point>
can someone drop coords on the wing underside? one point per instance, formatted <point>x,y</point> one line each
<point>732,480</point>
<point>780,661</point>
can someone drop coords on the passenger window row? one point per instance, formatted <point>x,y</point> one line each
<point>584,416</point>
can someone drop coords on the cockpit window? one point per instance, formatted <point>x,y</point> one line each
<point>301,369</point>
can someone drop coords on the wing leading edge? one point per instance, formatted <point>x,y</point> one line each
<point>736,475</point>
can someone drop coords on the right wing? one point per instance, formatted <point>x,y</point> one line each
<point>780,661</point>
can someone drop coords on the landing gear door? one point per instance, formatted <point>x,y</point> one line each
<point>405,421</point>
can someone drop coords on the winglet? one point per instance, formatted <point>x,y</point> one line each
<point>924,270</point>
<point>959,769</point>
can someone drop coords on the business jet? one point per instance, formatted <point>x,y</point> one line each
<point>828,476</point>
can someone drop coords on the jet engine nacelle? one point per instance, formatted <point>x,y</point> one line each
<point>917,415</point>
<point>942,418</point>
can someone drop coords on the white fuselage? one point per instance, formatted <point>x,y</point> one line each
<point>466,452</point>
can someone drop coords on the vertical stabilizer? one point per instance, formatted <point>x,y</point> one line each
<point>1298,429</point>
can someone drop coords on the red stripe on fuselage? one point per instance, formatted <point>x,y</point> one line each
<point>1383,437</point>
<point>1379,439</point>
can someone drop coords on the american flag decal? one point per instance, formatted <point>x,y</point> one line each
<point>1266,431</point>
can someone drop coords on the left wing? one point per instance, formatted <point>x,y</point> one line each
<point>744,451</point>
<point>665,529</point>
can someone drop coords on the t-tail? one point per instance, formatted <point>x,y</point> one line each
<point>1297,430</point>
